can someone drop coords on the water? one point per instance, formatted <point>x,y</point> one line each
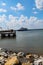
<point>27,41</point>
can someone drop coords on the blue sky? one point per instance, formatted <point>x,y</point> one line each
<point>15,14</point>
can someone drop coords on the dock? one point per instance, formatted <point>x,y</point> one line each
<point>7,33</point>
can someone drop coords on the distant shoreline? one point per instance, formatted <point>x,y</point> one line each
<point>30,30</point>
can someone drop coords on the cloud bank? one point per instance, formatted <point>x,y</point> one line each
<point>18,7</point>
<point>3,10</point>
<point>14,22</point>
<point>39,4</point>
<point>3,4</point>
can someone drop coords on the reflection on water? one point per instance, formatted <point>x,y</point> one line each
<point>28,41</point>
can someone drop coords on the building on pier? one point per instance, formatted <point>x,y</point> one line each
<point>7,33</point>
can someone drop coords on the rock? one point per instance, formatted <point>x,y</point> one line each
<point>28,63</point>
<point>14,54</point>
<point>3,50</point>
<point>0,49</point>
<point>2,63</point>
<point>10,51</point>
<point>21,54</point>
<point>30,57</point>
<point>13,61</point>
<point>2,60</point>
<point>41,57</point>
<point>5,60</point>
<point>23,59</point>
<point>4,54</point>
<point>38,61</point>
<point>35,56</point>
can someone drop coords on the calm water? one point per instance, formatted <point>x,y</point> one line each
<point>27,41</point>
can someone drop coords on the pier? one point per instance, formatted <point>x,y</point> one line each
<point>7,33</point>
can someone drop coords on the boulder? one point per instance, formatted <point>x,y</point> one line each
<point>30,57</point>
<point>14,54</point>
<point>13,61</point>
<point>38,61</point>
<point>1,49</point>
<point>27,63</point>
<point>35,56</point>
<point>4,54</point>
<point>21,54</point>
<point>2,60</point>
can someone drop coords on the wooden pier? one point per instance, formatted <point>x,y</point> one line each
<point>7,33</point>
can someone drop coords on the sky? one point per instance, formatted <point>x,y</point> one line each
<point>15,14</point>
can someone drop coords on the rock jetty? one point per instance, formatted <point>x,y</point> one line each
<point>8,57</point>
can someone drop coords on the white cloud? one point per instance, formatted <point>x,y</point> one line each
<point>35,23</point>
<point>13,8</point>
<point>3,10</point>
<point>39,4</point>
<point>2,18</point>
<point>14,22</point>
<point>3,4</point>
<point>18,7</point>
<point>23,21</point>
<point>3,22</point>
<point>17,22</point>
<point>34,8</point>
<point>35,12</point>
